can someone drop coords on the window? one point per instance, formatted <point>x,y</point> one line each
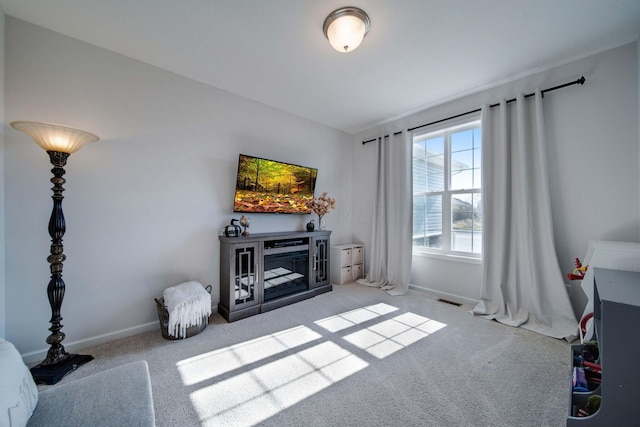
<point>447,190</point>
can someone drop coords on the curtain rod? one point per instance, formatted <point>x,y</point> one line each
<point>580,81</point>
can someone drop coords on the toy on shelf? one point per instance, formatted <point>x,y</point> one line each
<point>578,272</point>
<point>592,406</point>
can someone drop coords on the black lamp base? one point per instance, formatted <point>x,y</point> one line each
<point>51,374</point>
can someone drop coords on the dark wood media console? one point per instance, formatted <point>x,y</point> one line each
<point>265,271</point>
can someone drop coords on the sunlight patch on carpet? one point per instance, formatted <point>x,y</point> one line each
<point>387,337</point>
<point>210,365</point>
<point>355,317</point>
<point>256,395</point>
<point>247,383</point>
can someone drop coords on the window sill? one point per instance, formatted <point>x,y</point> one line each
<point>448,257</point>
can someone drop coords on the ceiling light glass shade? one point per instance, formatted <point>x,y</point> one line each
<point>346,27</point>
<point>55,137</point>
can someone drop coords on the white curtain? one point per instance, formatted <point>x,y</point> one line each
<point>522,284</point>
<point>391,247</point>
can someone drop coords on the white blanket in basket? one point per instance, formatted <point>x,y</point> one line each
<point>187,304</point>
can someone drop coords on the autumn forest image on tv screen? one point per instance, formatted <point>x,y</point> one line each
<point>270,186</point>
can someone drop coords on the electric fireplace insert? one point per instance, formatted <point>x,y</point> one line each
<point>286,267</point>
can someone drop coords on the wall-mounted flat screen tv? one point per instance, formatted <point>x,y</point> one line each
<point>269,186</point>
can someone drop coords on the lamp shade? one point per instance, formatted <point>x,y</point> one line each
<point>55,137</point>
<point>346,27</point>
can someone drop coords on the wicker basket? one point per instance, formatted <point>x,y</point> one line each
<point>163,317</point>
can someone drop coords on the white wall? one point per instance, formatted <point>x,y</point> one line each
<point>144,205</point>
<point>3,299</point>
<point>592,138</point>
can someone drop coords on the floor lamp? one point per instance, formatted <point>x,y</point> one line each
<point>59,142</point>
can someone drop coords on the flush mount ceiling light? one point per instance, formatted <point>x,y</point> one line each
<point>346,27</point>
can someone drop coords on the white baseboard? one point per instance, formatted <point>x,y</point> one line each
<point>75,346</point>
<point>445,295</point>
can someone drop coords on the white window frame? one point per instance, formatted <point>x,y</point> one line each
<point>448,127</point>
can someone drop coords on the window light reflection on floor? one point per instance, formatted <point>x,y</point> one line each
<point>260,391</point>
<point>387,337</point>
<point>355,317</point>
<point>209,365</point>
<point>254,396</point>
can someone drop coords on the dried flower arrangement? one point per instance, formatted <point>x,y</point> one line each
<point>321,206</point>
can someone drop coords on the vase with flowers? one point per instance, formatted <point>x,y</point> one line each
<point>321,206</point>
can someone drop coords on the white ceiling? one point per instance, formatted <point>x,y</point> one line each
<point>419,53</point>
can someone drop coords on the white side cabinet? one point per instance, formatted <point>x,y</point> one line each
<point>347,263</point>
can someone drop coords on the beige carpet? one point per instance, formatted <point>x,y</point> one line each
<point>352,357</point>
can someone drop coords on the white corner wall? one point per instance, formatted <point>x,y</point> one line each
<point>144,206</point>
<point>593,149</point>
